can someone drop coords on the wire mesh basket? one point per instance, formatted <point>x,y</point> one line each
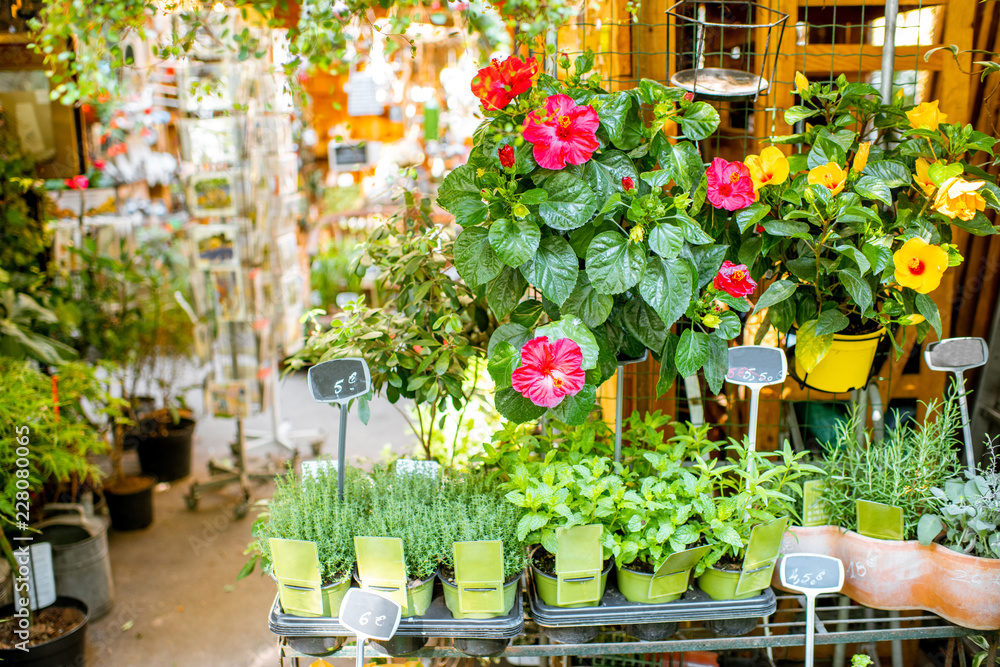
<point>723,48</point>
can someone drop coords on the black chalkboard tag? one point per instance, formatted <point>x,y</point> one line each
<point>756,365</point>
<point>811,574</point>
<point>370,615</point>
<point>339,380</point>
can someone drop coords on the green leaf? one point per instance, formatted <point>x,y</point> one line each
<point>831,321</point>
<point>860,291</point>
<point>683,161</point>
<point>940,172</point>
<point>699,121</point>
<point>604,173</point>
<point>475,258</point>
<point>613,114</point>
<point>642,322</point>
<point>514,407</point>
<point>527,313</point>
<point>926,307</point>
<point>980,225</point>
<point>657,178</point>
<point>707,260</point>
<point>793,228</point>
<point>717,362</point>
<point>511,333</point>
<point>570,204</point>
<point>574,410</point>
<point>797,113</point>
<point>587,303</point>
<point>730,327</point>
<point>892,173</point>
<point>514,241</point>
<point>666,285</point>
<point>668,370</point>
<point>859,257</point>
<point>460,196</point>
<point>574,329</point>
<point>502,363</point>
<point>613,263</point>
<point>810,348</point>
<point>751,215</point>
<point>666,240</point>
<point>553,269</point>
<point>505,291</point>
<point>692,352</point>
<point>929,527</point>
<point>870,187</point>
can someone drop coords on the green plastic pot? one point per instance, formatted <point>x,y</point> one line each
<point>418,597</point>
<point>547,587</point>
<point>721,585</point>
<point>451,599</point>
<point>634,586</point>
<point>332,595</point>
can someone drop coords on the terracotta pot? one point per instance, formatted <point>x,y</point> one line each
<point>885,574</point>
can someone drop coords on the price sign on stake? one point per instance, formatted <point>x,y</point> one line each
<point>957,355</point>
<point>338,381</point>
<point>755,367</point>
<point>811,574</point>
<point>369,616</point>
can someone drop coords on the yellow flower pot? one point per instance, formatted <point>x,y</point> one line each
<point>846,366</point>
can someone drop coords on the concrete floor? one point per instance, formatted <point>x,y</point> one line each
<point>177,601</point>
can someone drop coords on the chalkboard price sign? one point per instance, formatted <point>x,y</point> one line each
<point>339,380</point>
<point>370,615</point>
<point>812,573</point>
<point>756,365</point>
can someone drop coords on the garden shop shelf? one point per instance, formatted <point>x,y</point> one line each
<point>785,628</point>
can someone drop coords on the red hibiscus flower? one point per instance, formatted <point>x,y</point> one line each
<point>499,82</point>
<point>563,133</point>
<point>627,183</point>
<point>77,183</point>
<point>734,280</point>
<point>507,156</point>
<point>549,371</point>
<point>729,185</point>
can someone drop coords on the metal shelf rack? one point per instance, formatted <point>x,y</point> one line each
<point>835,624</point>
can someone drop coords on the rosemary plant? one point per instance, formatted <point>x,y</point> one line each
<point>902,470</point>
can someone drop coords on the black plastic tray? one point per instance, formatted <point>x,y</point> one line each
<point>616,610</point>
<point>437,622</point>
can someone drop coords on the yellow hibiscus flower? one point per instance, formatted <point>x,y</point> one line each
<point>922,177</point>
<point>830,176</point>
<point>801,83</point>
<point>920,265</point>
<point>926,116</point>
<point>861,157</point>
<point>768,168</point>
<point>957,198</point>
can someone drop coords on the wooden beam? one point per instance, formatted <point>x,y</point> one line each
<point>823,58</point>
<point>954,83</point>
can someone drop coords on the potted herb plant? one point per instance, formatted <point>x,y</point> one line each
<point>469,514</point>
<point>752,492</point>
<point>47,437</point>
<point>570,191</point>
<point>854,233</point>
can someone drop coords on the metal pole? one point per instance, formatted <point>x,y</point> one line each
<point>889,49</point>
<point>620,383</point>
<point>970,458</point>
<point>752,431</point>
<point>341,450</point>
<point>360,660</point>
<point>810,629</point>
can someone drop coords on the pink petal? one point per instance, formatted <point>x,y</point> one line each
<point>536,352</point>
<point>538,133</point>
<point>584,118</point>
<point>558,105</point>
<point>579,148</point>
<point>536,387</point>
<point>548,156</point>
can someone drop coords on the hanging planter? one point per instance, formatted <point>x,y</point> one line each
<point>723,48</point>
<point>848,365</point>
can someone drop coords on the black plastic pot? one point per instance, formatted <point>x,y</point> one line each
<point>315,646</point>
<point>400,646</point>
<point>132,510</point>
<point>167,457</point>
<point>651,632</point>
<point>578,634</point>
<point>481,648</point>
<point>68,650</point>
<point>732,627</point>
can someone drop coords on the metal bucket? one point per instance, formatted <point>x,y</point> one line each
<point>80,557</point>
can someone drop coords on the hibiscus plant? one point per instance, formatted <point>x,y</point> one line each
<point>583,197</point>
<point>853,233</point>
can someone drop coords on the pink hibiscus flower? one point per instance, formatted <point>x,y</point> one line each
<point>562,133</point>
<point>549,371</point>
<point>730,185</point>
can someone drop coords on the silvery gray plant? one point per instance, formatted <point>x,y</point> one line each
<point>969,513</point>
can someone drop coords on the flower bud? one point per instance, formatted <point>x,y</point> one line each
<point>507,157</point>
<point>628,184</point>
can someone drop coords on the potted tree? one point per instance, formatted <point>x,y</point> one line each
<point>45,438</point>
<point>854,234</point>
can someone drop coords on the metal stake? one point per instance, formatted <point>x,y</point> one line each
<point>619,401</point>
<point>889,49</point>
<point>341,456</point>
